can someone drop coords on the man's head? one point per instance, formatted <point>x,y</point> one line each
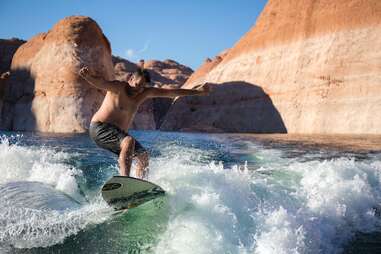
<point>140,77</point>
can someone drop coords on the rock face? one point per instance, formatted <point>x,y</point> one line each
<point>44,92</point>
<point>314,67</point>
<point>166,74</point>
<point>7,50</point>
<point>200,75</point>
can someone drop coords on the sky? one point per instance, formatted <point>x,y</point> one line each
<point>185,31</point>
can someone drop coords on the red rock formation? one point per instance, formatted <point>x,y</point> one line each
<point>45,93</point>
<point>318,63</point>
<point>283,22</point>
<point>168,73</point>
<point>163,74</point>
<point>199,76</point>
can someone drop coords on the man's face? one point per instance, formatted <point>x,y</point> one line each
<point>137,80</point>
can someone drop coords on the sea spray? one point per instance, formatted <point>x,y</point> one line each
<point>27,227</point>
<point>236,196</point>
<point>302,205</point>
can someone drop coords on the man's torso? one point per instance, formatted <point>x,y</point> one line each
<point>119,109</point>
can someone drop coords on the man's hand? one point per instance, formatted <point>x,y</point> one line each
<point>86,72</point>
<point>204,89</point>
<point>5,75</point>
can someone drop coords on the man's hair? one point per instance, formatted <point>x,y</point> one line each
<point>143,73</point>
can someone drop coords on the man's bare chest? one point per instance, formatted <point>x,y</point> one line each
<point>128,103</point>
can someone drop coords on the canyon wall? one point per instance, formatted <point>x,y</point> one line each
<point>314,67</point>
<point>44,92</point>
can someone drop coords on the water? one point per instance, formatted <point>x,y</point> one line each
<point>225,194</point>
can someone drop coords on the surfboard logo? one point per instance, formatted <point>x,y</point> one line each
<point>111,186</point>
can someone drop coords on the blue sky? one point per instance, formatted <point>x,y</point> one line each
<point>185,31</point>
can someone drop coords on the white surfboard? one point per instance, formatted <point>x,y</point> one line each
<point>122,192</point>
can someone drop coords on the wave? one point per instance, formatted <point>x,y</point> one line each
<point>39,201</point>
<point>270,204</point>
<point>285,206</point>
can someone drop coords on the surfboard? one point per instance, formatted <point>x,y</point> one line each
<point>123,192</point>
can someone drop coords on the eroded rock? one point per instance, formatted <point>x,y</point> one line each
<point>318,62</point>
<point>44,92</point>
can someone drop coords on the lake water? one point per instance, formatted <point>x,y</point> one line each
<point>225,194</point>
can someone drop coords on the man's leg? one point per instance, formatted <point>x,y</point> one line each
<point>127,147</point>
<point>142,164</point>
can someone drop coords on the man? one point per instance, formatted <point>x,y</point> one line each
<point>109,125</point>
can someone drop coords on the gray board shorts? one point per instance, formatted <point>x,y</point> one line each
<point>109,137</point>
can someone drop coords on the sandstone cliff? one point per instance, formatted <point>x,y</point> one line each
<point>314,66</point>
<point>45,93</point>
<point>168,73</point>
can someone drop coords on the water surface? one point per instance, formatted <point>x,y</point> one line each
<point>225,194</point>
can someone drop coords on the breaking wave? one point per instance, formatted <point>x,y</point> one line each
<point>284,206</point>
<point>264,202</point>
<point>37,220</point>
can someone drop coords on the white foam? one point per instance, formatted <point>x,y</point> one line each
<point>280,233</point>
<point>204,200</point>
<point>285,207</point>
<point>26,227</point>
<point>41,164</point>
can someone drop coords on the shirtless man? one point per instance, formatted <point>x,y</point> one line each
<point>109,125</point>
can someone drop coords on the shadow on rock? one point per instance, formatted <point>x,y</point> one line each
<point>230,107</point>
<point>16,112</point>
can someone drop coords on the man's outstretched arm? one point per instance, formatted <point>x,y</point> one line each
<point>99,82</point>
<point>172,93</point>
